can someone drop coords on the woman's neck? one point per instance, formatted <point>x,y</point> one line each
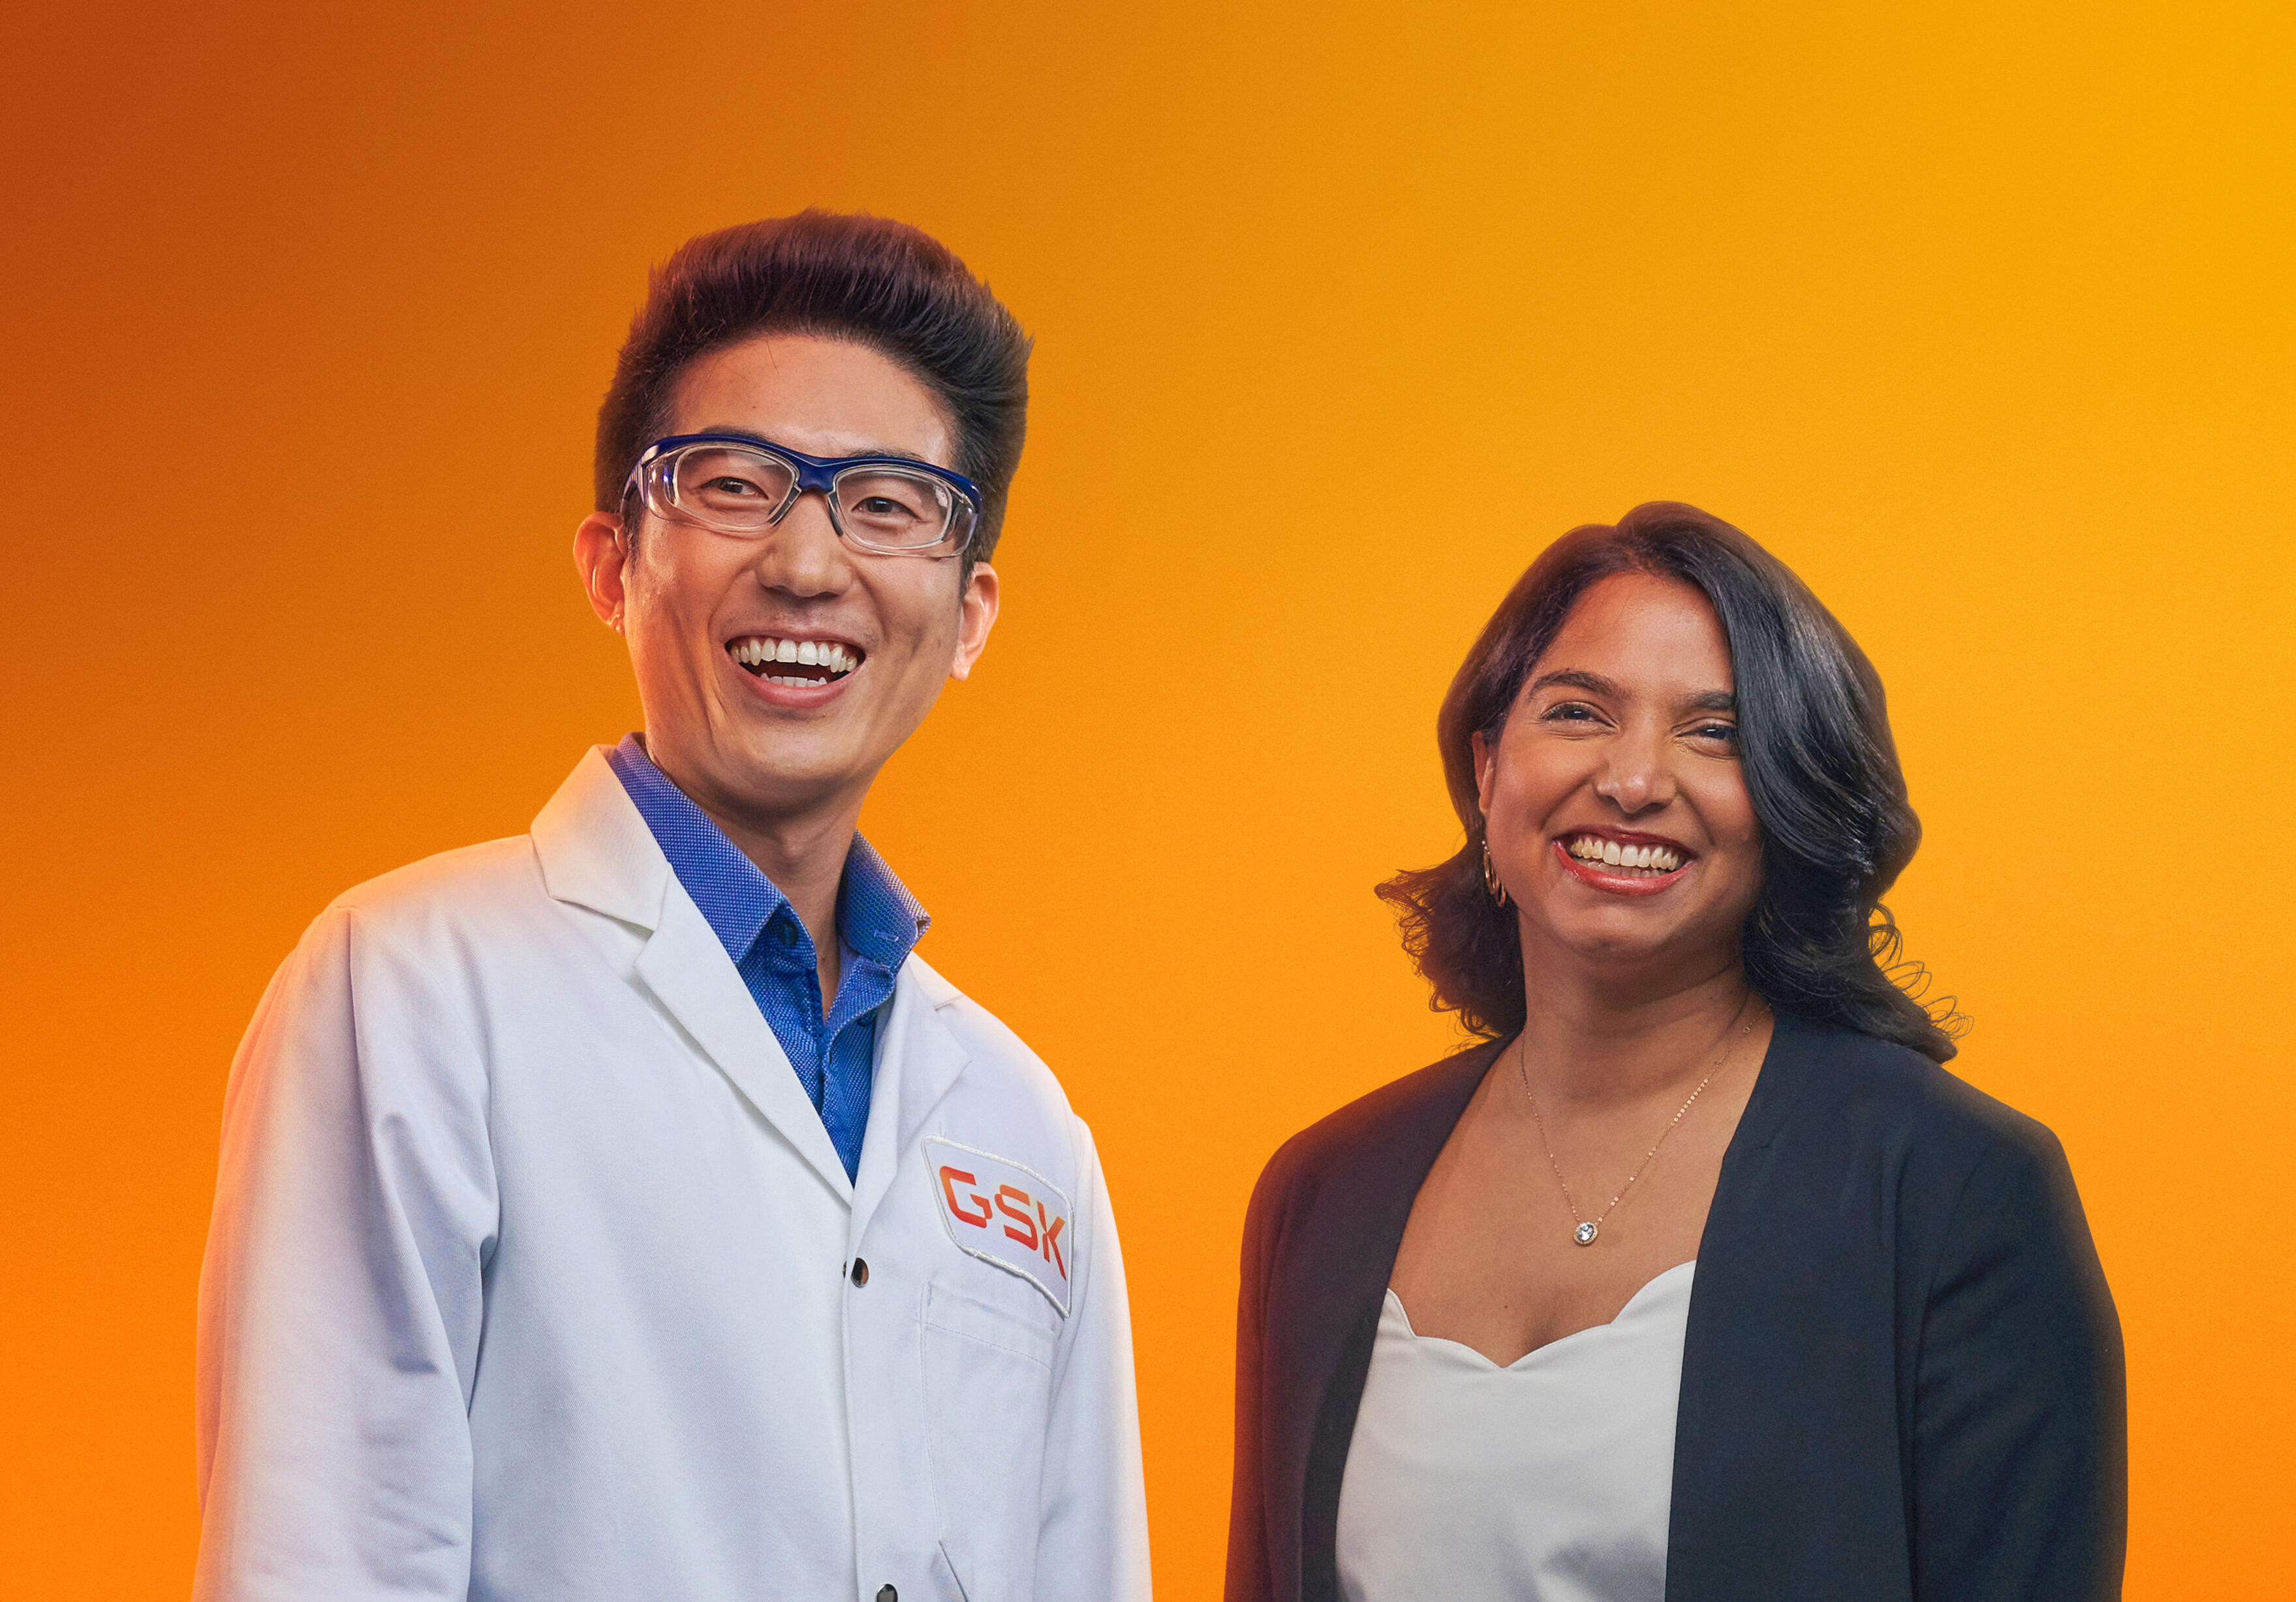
<point>1585,1046</point>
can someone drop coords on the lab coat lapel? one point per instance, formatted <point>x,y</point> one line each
<point>595,851</point>
<point>918,1058</point>
<point>687,969</point>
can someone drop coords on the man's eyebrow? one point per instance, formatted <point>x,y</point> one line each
<point>751,434</point>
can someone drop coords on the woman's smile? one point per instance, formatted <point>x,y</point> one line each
<point>1619,863</point>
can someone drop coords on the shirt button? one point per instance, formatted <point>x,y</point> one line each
<point>861,1276</point>
<point>886,1593</point>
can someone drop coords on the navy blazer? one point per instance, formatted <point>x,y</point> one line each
<point>1901,1378</point>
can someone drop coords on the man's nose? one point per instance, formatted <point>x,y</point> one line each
<point>801,555</point>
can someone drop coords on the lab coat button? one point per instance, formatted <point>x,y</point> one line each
<point>861,1276</point>
<point>886,1593</point>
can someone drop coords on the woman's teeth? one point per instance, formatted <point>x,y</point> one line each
<point>823,659</point>
<point>1629,858</point>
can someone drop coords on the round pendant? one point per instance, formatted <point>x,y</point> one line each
<point>1584,1233</point>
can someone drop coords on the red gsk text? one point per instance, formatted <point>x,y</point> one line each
<point>1038,1233</point>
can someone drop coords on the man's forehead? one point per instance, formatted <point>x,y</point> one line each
<point>826,397</point>
<point>843,445</point>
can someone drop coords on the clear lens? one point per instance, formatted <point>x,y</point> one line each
<point>895,511</point>
<point>726,487</point>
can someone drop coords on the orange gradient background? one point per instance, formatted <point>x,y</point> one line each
<point>1978,316</point>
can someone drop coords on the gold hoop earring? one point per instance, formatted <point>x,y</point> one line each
<point>1496,891</point>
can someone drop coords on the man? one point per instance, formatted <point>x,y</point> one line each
<point>625,1211</point>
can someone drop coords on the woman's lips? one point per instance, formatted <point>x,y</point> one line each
<point>1612,881</point>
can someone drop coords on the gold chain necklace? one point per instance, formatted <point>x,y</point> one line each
<point>1588,1229</point>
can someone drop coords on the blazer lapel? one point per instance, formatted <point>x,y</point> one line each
<point>1742,1237</point>
<point>1334,1297</point>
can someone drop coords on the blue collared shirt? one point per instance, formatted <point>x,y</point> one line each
<point>878,922</point>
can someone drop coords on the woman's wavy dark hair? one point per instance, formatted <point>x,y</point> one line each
<point>1821,770</point>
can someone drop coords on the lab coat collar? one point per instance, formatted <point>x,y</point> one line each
<point>595,851</point>
<point>918,1058</point>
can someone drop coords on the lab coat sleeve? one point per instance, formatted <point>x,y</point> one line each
<point>341,1302</point>
<point>1093,1545</point>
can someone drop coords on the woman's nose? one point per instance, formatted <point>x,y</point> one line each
<point>1634,775</point>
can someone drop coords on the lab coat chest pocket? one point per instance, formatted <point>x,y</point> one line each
<point>988,1383</point>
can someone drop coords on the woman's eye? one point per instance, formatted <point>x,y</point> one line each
<point>1726,733</point>
<point>1568,711</point>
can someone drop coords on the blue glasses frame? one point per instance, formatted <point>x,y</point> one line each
<point>807,473</point>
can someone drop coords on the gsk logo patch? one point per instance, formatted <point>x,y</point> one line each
<point>1002,1212</point>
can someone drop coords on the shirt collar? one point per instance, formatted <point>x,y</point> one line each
<point>876,916</point>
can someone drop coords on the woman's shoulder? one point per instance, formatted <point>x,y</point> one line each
<point>1855,1079</point>
<point>1389,1135</point>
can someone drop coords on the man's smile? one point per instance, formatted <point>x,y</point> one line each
<point>793,659</point>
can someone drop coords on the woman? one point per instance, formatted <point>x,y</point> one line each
<point>1698,1278</point>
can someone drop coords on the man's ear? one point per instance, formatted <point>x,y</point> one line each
<point>602,556</point>
<point>976,615</point>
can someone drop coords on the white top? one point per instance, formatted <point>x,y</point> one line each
<point>1548,1480</point>
<point>531,1271</point>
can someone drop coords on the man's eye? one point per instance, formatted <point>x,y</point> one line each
<point>1568,711</point>
<point>882,505</point>
<point>731,487</point>
<point>1725,732</point>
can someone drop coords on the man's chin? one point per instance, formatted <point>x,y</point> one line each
<point>789,781</point>
<point>772,777</point>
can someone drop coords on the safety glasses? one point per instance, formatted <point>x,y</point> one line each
<point>734,484</point>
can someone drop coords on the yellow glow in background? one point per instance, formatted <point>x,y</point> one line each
<point>1979,316</point>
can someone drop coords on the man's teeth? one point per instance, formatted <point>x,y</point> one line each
<point>1610,853</point>
<point>759,651</point>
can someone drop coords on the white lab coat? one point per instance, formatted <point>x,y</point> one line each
<point>531,1274</point>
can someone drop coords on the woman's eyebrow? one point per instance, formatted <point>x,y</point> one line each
<point>1577,679</point>
<point>1594,684</point>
